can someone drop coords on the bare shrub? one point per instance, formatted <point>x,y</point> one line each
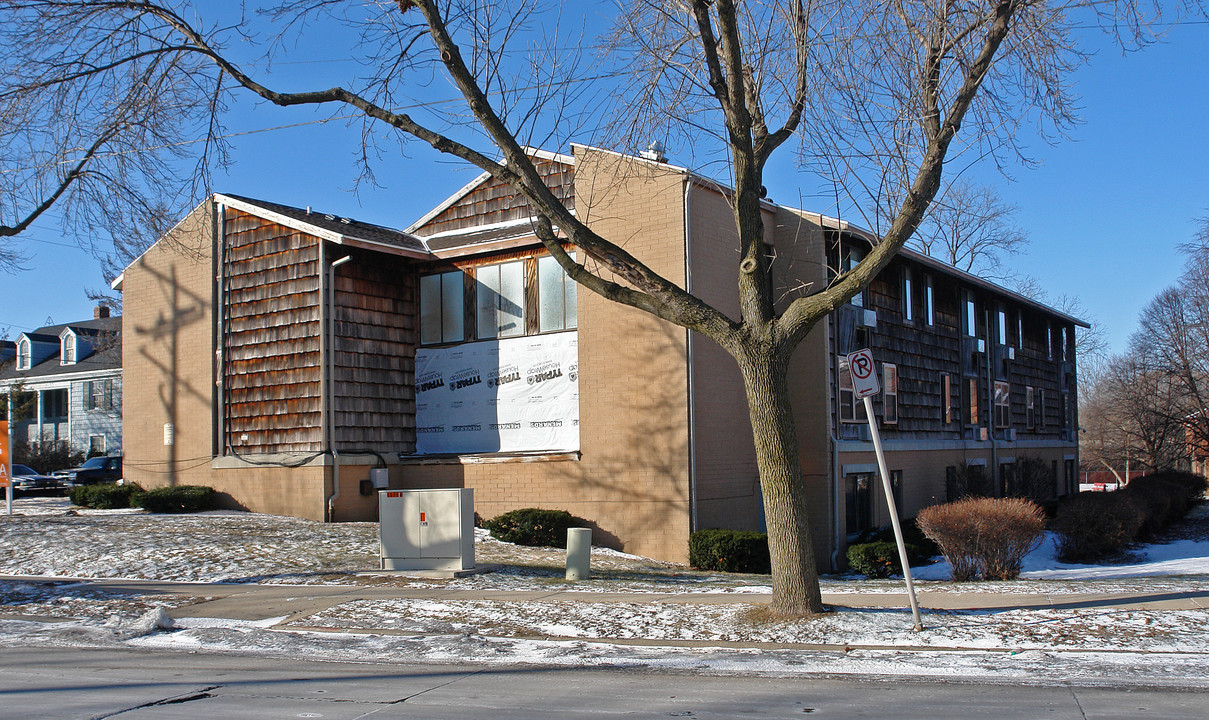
<point>984,538</point>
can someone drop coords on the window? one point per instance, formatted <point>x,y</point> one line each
<point>972,402</point>
<point>1019,330</point>
<point>889,394</point>
<point>847,396</point>
<point>100,395</point>
<point>23,354</point>
<point>54,404</point>
<point>1003,405</point>
<point>970,315</point>
<point>555,296</point>
<point>896,486</point>
<point>1002,326</point>
<point>1030,415</point>
<point>908,311</point>
<point>1040,409</point>
<point>442,317</point>
<point>500,297</point>
<point>1049,341</point>
<point>946,397</point>
<point>67,354</point>
<point>929,301</point>
<point>852,258</point>
<point>96,445</point>
<point>1062,349</point>
<point>858,502</point>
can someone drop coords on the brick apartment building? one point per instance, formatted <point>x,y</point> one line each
<point>280,354</point>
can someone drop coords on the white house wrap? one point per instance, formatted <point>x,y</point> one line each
<point>509,395</point>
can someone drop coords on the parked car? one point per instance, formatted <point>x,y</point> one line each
<point>96,470</point>
<point>27,481</point>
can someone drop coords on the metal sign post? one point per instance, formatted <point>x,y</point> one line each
<point>865,385</point>
<point>6,466</point>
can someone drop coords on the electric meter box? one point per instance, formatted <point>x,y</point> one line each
<point>426,529</point>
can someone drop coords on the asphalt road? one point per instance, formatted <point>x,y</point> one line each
<point>68,683</point>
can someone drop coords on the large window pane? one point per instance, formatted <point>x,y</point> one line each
<point>430,309</point>
<point>512,299</point>
<point>556,296</point>
<point>452,317</point>
<point>501,300</point>
<point>441,308</point>
<point>487,300</point>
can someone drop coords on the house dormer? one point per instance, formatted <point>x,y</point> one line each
<point>67,347</point>
<point>34,348</point>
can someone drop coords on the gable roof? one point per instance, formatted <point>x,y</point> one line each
<point>340,230</point>
<point>109,357</point>
<point>496,203</point>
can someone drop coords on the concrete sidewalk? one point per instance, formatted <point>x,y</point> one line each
<point>252,602</point>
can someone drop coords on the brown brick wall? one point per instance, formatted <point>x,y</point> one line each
<point>632,478</point>
<point>168,356</point>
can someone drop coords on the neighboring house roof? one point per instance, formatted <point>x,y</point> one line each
<point>108,357</point>
<point>337,229</point>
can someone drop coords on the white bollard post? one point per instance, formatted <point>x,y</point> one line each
<point>579,553</point>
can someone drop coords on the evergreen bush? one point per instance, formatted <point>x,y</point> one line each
<point>879,559</point>
<point>177,499</point>
<point>740,551</point>
<point>534,527</point>
<point>103,496</point>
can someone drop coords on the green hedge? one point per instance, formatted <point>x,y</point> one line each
<point>879,559</point>
<point>104,496</point>
<point>729,551</point>
<point>177,499</point>
<point>534,527</point>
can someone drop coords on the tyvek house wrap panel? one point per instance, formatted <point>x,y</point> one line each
<point>509,395</point>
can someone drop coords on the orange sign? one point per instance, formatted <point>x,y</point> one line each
<point>5,463</point>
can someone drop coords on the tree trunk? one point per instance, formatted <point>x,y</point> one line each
<point>795,579</point>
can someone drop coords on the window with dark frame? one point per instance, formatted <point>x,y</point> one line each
<point>852,257</point>
<point>858,503</point>
<point>972,401</point>
<point>1003,405</point>
<point>929,301</point>
<point>946,397</point>
<point>908,297</point>
<point>889,394</point>
<point>1030,414</point>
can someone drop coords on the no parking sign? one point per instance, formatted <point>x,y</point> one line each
<point>864,379</point>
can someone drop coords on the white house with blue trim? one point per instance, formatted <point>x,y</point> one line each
<point>66,383</point>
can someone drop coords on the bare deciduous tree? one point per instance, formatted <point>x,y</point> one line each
<point>970,228</point>
<point>877,97</point>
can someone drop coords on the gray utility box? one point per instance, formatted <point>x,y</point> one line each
<point>426,529</point>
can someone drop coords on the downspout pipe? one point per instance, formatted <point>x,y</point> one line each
<point>329,333</point>
<point>990,362</point>
<point>692,413</point>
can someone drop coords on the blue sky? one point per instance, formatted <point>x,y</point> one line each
<point>1105,210</point>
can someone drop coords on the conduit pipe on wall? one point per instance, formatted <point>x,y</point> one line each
<point>326,372</point>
